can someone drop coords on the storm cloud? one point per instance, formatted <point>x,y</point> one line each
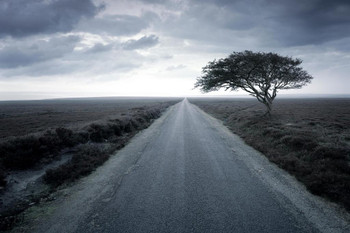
<point>19,18</point>
<point>147,43</point>
<point>281,22</point>
<point>25,53</point>
<point>308,22</point>
<point>116,25</point>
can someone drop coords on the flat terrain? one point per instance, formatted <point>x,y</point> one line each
<point>18,118</point>
<point>45,144</point>
<point>310,138</point>
<point>185,173</point>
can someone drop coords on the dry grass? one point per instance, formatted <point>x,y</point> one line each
<point>102,140</point>
<point>310,138</point>
<point>93,129</point>
<point>29,150</point>
<point>19,118</point>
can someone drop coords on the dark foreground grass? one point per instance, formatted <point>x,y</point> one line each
<point>28,151</point>
<point>103,140</point>
<point>91,146</point>
<point>309,138</point>
<point>87,158</point>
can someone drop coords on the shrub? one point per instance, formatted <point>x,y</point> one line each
<point>21,153</point>
<point>99,132</point>
<point>135,124</point>
<point>82,163</point>
<point>3,181</point>
<point>50,143</point>
<point>116,129</point>
<point>82,137</point>
<point>66,136</point>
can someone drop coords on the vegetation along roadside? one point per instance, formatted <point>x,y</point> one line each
<point>87,147</point>
<point>309,138</point>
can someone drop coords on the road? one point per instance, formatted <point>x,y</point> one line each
<point>188,173</point>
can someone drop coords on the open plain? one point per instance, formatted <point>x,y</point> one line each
<point>18,118</point>
<point>47,143</point>
<point>309,138</point>
<point>186,173</point>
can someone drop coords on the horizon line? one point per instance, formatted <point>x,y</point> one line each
<point>240,96</point>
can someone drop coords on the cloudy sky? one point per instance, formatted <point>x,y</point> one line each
<point>71,48</point>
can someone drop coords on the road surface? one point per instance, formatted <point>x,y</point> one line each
<point>188,173</point>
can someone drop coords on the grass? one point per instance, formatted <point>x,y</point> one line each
<point>91,143</point>
<point>20,118</point>
<point>87,158</point>
<point>103,140</point>
<point>28,151</point>
<point>25,152</point>
<point>309,138</point>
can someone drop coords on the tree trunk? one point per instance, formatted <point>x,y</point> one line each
<point>267,102</point>
<point>269,108</point>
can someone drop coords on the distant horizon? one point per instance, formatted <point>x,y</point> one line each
<point>239,96</point>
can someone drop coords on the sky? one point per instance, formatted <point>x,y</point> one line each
<point>85,48</point>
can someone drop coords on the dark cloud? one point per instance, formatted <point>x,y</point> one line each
<point>156,1</point>
<point>19,18</point>
<point>297,23</point>
<point>80,64</point>
<point>208,25</point>
<point>24,53</point>
<point>142,43</point>
<point>273,22</point>
<point>116,25</point>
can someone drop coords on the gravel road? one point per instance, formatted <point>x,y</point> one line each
<point>188,173</point>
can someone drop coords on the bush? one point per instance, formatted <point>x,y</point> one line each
<point>128,127</point>
<point>3,181</point>
<point>116,129</point>
<point>87,159</point>
<point>21,153</point>
<point>50,141</point>
<point>67,137</point>
<point>100,133</point>
<point>26,152</point>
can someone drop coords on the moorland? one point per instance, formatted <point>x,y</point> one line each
<point>47,143</point>
<point>309,138</point>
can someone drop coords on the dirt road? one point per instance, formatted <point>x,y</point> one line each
<point>188,173</point>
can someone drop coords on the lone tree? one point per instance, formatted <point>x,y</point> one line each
<point>259,74</point>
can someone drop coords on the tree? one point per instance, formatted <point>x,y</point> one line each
<point>259,74</point>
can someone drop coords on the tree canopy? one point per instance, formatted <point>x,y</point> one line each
<point>260,74</point>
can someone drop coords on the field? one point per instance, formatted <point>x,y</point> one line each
<point>47,143</point>
<point>310,138</point>
<point>18,118</point>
